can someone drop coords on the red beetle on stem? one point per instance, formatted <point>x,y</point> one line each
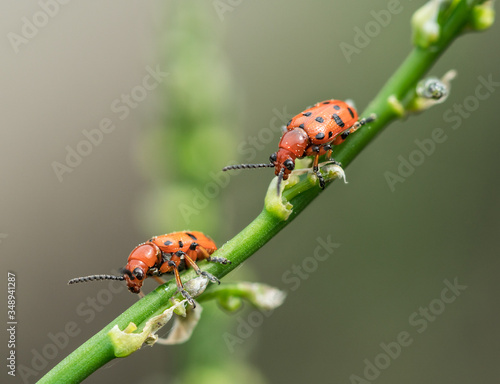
<point>165,254</point>
<point>312,133</point>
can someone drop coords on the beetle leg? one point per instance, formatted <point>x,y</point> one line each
<point>316,161</point>
<point>206,255</point>
<point>320,178</point>
<point>328,148</point>
<point>316,170</point>
<point>203,252</point>
<point>159,280</point>
<point>329,159</point>
<point>180,287</point>
<point>197,269</point>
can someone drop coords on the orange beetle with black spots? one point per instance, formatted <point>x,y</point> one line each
<point>169,253</point>
<point>312,133</point>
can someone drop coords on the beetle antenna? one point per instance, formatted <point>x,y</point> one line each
<point>280,177</point>
<point>244,166</point>
<point>94,277</point>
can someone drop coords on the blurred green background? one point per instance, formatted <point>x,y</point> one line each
<point>231,65</point>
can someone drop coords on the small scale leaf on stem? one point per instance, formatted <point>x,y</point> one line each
<point>126,342</point>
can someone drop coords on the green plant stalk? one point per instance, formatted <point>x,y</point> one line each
<point>98,351</point>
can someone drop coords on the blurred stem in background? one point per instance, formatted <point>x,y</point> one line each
<point>179,156</point>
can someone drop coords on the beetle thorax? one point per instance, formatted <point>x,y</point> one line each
<point>295,141</point>
<point>292,145</point>
<point>141,260</point>
<point>148,253</point>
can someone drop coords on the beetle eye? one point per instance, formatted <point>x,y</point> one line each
<point>289,164</point>
<point>125,271</point>
<point>139,273</point>
<point>273,158</point>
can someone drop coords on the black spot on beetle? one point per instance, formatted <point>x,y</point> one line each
<point>307,113</point>
<point>168,242</point>
<point>336,107</point>
<point>193,246</point>
<point>301,126</point>
<point>351,112</point>
<point>181,244</point>
<point>326,102</point>
<point>330,134</point>
<point>338,120</point>
<point>287,124</point>
<point>320,136</point>
<point>191,236</point>
<point>319,119</point>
